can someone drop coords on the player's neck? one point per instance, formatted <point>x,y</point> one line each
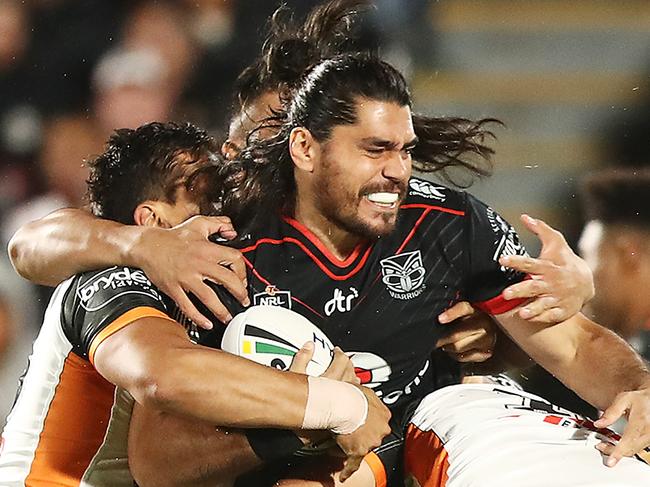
<point>338,241</point>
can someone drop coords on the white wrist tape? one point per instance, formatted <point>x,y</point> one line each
<point>336,406</point>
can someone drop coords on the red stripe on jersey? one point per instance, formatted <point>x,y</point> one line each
<point>302,246</point>
<point>319,245</point>
<point>412,232</point>
<point>433,207</point>
<point>499,304</point>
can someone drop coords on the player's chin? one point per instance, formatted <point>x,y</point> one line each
<point>379,227</point>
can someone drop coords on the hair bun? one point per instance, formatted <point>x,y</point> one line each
<point>289,59</point>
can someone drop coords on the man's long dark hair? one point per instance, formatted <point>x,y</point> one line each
<point>290,49</point>
<point>261,180</point>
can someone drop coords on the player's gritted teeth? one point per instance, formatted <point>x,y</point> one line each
<point>383,200</point>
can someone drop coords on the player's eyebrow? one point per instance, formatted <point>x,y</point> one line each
<point>387,144</point>
<point>412,143</point>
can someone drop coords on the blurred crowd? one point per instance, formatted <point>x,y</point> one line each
<point>73,70</point>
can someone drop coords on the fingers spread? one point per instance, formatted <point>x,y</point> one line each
<point>526,264</point>
<point>227,257</point>
<point>228,279</point>
<point>613,412</point>
<point>636,435</point>
<point>545,232</point>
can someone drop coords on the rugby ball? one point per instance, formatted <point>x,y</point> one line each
<point>271,335</point>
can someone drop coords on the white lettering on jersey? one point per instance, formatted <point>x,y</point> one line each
<point>114,278</point>
<point>340,302</point>
<point>272,296</point>
<point>427,190</point>
<point>403,274</point>
<point>373,372</point>
<point>508,240</point>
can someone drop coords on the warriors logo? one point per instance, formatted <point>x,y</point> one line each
<point>404,274</point>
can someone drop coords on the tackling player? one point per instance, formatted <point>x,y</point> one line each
<point>109,336</point>
<point>495,434</point>
<point>360,239</point>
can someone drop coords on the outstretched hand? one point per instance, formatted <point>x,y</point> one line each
<point>561,282</point>
<point>179,260</point>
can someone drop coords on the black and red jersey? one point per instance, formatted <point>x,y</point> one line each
<point>381,303</point>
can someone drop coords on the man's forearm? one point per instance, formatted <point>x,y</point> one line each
<point>607,364</point>
<point>170,451</point>
<point>587,358</point>
<point>154,360</point>
<point>69,241</point>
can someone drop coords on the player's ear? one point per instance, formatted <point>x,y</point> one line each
<point>304,149</point>
<point>150,214</point>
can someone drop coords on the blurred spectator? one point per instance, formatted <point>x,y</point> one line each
<point>616,245</point>
<point>132,87</point>
<point>6,327</point>
<point>19,117</point>
<point>68,140</point>
<point>163,27</point>
<point>47,51</point>
<point>625,136</point>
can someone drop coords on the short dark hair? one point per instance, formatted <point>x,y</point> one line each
<point>618,196</point>
<point>151,163</point>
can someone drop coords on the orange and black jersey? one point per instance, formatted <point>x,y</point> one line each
<point>69,425</point>
<point>381,303</point>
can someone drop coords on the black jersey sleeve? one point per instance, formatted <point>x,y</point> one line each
<point>490,236</point>
<point>100,303</point>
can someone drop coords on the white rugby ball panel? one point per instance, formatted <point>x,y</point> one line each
<point>272,335</point>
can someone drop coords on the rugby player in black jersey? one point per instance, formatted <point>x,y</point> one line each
<point>52,222</point>
<point>112,327</point>
<point>445,246</point>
